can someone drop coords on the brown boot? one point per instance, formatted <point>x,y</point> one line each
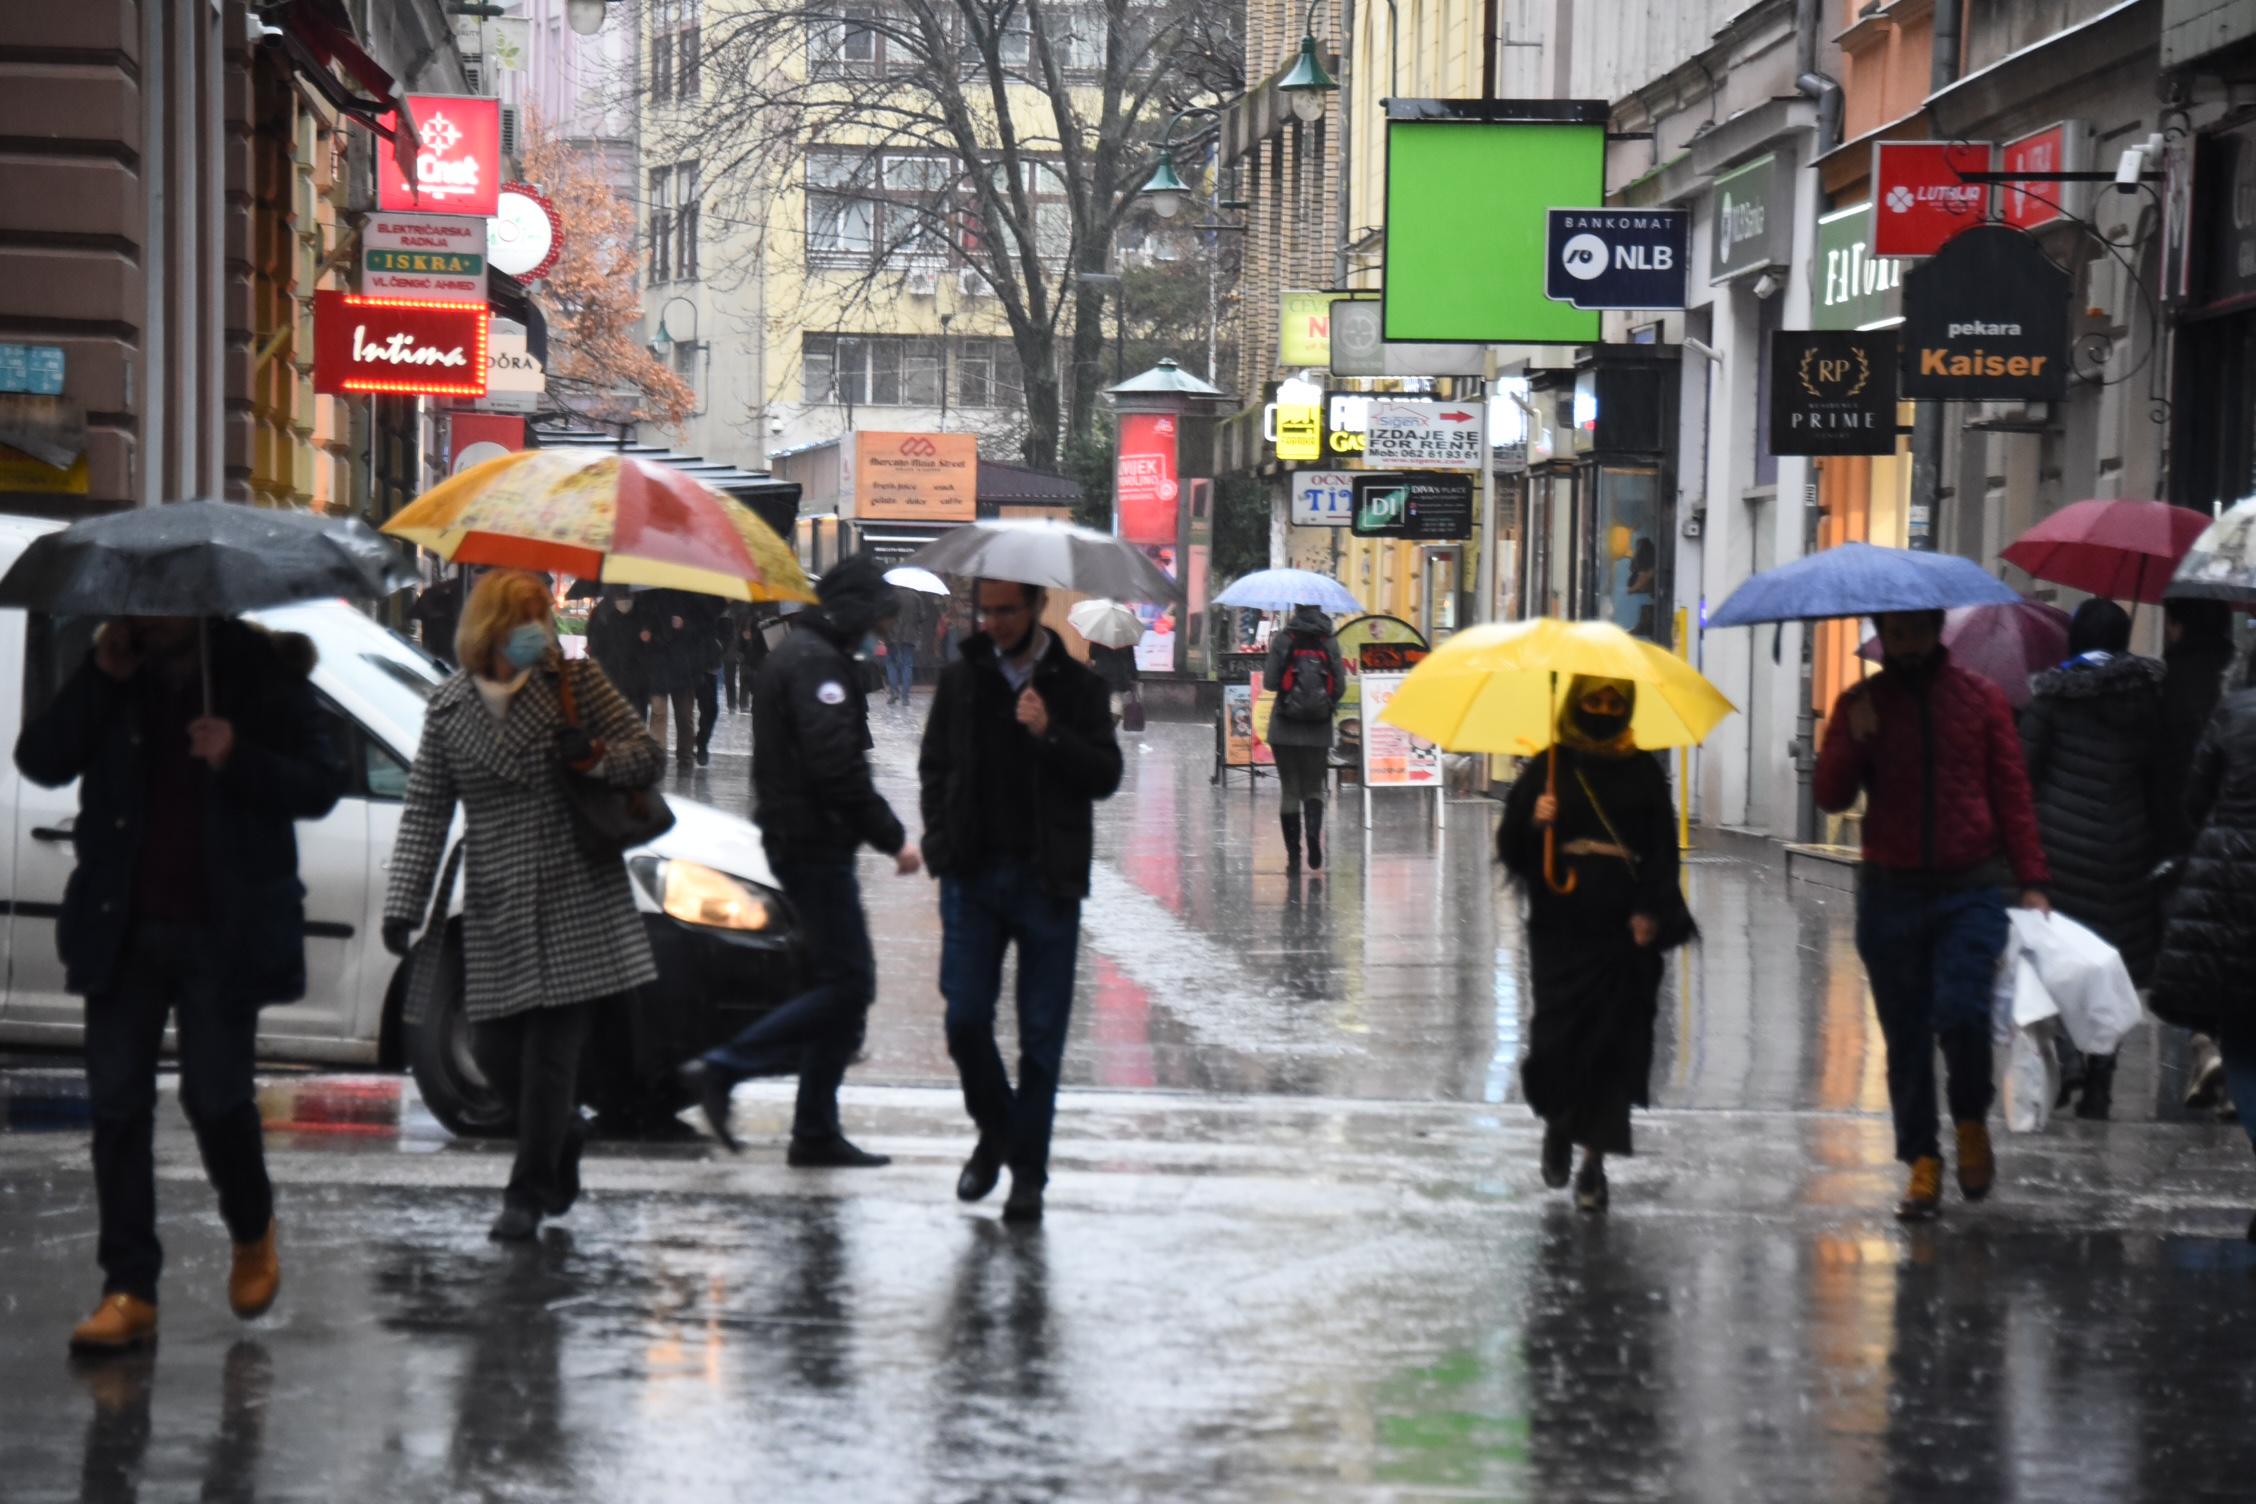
<point>257,1276</point>
<point>120,1324</point>
<point>1923,1198</point>
<point>1977,1162</point>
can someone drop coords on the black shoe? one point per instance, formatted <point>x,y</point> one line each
<point>710,1091</point>
<point>568,1167</point>
<point>2099,1088</point>
<point>1313,822</point>
<point>1590,1189</point>
<point>981,1171</point>
<point>1025,1201</point>
<point>1291,826</point>
<point>518,1223</point>
<point>832,1153</point>
<point>1558,1157</point>
<point>704,757</point>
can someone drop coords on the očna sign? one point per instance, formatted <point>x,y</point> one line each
<point>1986,320</point>
<point>399,346</point>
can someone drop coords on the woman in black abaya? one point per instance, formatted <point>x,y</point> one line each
<point>1596,947</point>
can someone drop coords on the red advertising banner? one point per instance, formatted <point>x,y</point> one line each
<point>2044,151</point>
<point>1145,485</point>
<point>457,161</point>
<point>1919,199</point>
<point>474,438</point>
<point>398,346</point>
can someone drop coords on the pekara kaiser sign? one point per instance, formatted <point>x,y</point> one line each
<point>398,346</point>
<point>1986,320</point>
<point>915,477</point>
<point>457,161</point>
<point>1920,194</point>
<point>1833,391</point>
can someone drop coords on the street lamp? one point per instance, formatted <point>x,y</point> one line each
<point>1165,189</point>
<point>1306,83</point>
<point>585,16</point>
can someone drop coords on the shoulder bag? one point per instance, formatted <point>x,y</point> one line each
<point>608,821</point>
<point>1676,926</point>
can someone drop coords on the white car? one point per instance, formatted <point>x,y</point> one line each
<point>723,933</point>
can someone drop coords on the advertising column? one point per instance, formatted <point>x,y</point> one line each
<point>1147,493</point>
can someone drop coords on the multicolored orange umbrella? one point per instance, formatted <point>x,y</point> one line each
<point>598,515</point>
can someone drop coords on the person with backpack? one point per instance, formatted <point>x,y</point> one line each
<point>1309,676</point>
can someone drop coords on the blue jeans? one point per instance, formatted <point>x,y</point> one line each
<point>900,669</point>
<point>2237,1047</point>
<point>981,913</point>
<point>1931,956</point>
<point>817,1033</point>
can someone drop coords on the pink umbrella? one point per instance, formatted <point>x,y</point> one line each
<point>2004,644</point>
<point>2123,550</point>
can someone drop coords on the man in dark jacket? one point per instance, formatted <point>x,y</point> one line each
<point>614,639</point>
<point>817,807</point>
<point>185,901</point>
<point>2197,653</point>
<point>1948,828</point>
<point>1307,676</point>
<point>1018,749</point>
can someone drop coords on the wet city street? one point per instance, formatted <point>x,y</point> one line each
<point>1296,1245</point>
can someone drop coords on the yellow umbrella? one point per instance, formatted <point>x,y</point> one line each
<point>601,515</point>
<point>1498,688</point>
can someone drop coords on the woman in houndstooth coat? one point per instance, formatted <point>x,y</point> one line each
<point>548,931</point>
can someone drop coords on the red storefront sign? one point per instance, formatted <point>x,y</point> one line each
<point>457,162</point>
<point>2045,151</point>
<point>474,438</point>
<point>1919,199</point>
<point>1145,487</point>
<point>398,346</point>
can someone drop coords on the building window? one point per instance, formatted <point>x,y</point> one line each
<point>846,45</point>
<point>988,375</point>
<point>871,370</point>
<point>889,206</point>
<point>673,223</point>
<point>676,50</point>
<point>661,224</point>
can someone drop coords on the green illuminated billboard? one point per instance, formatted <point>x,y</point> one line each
<point>1470,184</point>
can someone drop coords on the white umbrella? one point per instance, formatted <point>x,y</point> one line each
<point>1106,623</point>
<point>909,577</point>
<point>1031,551</point>
<point>1283,589</point>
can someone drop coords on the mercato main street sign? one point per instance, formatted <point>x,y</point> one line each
<point>398,346</point>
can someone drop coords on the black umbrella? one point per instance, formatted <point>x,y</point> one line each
<point>201,559</point>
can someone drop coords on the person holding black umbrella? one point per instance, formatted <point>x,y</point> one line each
<point>197,746</point>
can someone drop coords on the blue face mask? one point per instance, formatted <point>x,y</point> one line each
<point>526,646</point>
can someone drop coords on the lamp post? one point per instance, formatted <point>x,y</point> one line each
<point>1165,189</point>
<point>1306,84</point>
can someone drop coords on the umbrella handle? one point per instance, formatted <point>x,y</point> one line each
<point>1551,831</point>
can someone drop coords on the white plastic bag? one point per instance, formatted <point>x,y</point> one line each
<point>2032,1079</point>
<point>2088,982</point>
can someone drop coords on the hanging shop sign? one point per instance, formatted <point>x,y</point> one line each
<point>1304,329</point>
<point>1360,347</point>
<point>1832,391</point>
<point>1423,508</point>
<point>1146,488</point>
<point>2066,147</point>
<point>423,256</point>
<point>1468,184</point>
<point>1617,258</point>
<point>1754,218</point>
<point>1298,430</point>
<point>525,234</point>
<point>1921,194</point>
<point>474,438</point>
<point>915,477</point>
<point>1986,320</point>
<point>1855,289</point>
<point>1423,434</point>
<point>457,162</point>
<point>1323,498</point>
<point>1347,426</point>
<point>516,381</point>
<point>398,346</point>
<point>1392,757</point>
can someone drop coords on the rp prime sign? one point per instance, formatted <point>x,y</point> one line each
<point>1986,320</point>
<point>1833,391</point>
<point>1617,258</point>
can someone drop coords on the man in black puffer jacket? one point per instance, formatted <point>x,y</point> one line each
<point>1018,750</point>
<point>817,808</point>
<point>2092,740</point>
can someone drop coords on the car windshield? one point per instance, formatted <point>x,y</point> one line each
<point>393,675</point>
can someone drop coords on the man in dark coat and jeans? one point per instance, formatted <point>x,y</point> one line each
<point>1949,828</point>
<point>817,807</point>
<point>185,902</point>
<point>1018,749</point>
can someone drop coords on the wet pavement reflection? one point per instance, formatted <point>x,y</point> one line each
<point>1296,1245</point>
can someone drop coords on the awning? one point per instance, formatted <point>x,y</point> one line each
<point>316,36</point>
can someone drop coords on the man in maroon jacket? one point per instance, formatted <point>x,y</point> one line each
<point>1949,829</point>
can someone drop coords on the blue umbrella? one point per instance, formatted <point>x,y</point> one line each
<point>1283,589</point>
<point>1859,579</point>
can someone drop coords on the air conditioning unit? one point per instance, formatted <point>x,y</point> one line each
<point>923,283</point>
<point>970,283</point>
<point>509,116</point>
